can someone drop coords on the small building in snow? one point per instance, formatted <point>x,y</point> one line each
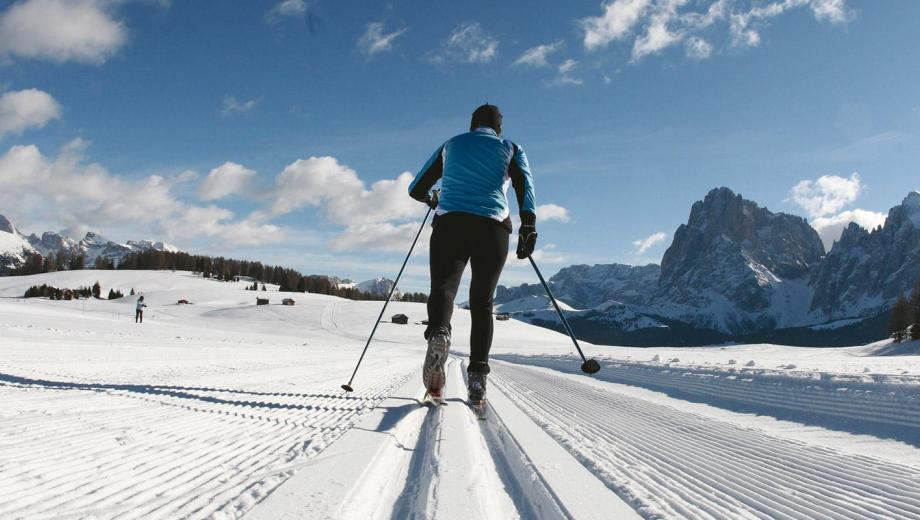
<point>401,319</point>
<point>288,301</point>
<point>261,301</point>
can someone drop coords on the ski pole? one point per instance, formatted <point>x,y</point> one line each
<point>590,366</point>
<point>347,387</point>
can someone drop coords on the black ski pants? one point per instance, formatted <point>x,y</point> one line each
<point>459,238</point>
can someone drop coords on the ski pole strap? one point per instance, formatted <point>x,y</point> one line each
<point>552,298</point>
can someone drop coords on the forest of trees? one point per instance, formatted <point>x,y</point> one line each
<point>219,268</point>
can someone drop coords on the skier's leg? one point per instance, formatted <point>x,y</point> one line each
<point>448,258</point>
<point>488,258</point>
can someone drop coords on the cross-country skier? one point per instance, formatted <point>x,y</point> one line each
<point>139,310</point>
<point>472,224</point>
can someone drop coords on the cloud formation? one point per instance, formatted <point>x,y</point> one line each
<point>227,179</point>
<point>537,56</point>
<point>24,109</point>
<point>375,40</point>
<point>66,190</point>
<point>84,31</point>
<point>826,195</point>
<point>656,25</point>
<point>644,244</point>
<point>467,43</point>
<point>824,200</point>
<point>550,212</point>
<point>232,106</point>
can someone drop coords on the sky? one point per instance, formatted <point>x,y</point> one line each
<point>288,131</point>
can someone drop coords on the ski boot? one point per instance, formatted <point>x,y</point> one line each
<point>433,372</point>
<point>476,387</point>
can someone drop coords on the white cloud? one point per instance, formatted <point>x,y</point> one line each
<point>564,76</point>
<point>644,244</point>
<point>653,26</point>
<point>550,212</point>
<point>286,9</point>
<point>66,191</point>
<point>61,30</point>
<point>830,228</point>
<point>381,236</point>
<point>187,176</point>
<point>375,41</point>
<point>468,43</point>
<point>617,22</point>
<point>227,179</point>
<point>232,106</point>
<point>827,195</point>
<point>698,48</point>
<point>536,56</point>
<point>23,109</point>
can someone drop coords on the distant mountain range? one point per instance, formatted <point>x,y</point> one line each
<point>738,272</point>
<point>16,247</point>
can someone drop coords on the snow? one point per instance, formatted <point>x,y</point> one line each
<point>221,409</point>
<point>12,247</point>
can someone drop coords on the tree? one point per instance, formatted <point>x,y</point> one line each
<point>900,319</point>
<point>114,295</point>
<point>77,262</point>
<point>132,291</point>
<point>97,290</point>
<point>915,311</point>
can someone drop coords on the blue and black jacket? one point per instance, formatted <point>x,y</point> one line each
<point>475,170</point>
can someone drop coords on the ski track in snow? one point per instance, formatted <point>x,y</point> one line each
<point>155,451</point>
<point>674,464</point>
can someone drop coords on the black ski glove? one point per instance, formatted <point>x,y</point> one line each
<point>432,199</point>
<point>527,241</point>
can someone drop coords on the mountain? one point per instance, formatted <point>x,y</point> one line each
<point>738,268</point>
<point>866,270</point>
<point>739,272</point>
<point>378,287</point>
<point>16,247</point>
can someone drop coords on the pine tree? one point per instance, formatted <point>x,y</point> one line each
<point>915,311</point>
<point>132,291</point>
<point>97,290</point>
<point>900,319</point>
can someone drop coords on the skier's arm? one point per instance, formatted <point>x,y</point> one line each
<point>427,176</point>
<point>522,181</point>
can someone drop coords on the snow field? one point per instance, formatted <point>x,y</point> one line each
<point>845,402</point>
<point>673,464</point>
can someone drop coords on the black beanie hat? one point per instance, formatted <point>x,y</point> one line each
<point>487,115</point>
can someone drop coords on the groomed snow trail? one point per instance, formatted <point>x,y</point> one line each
<point>673,464</point>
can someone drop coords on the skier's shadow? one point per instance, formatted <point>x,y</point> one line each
<point>180,392</point>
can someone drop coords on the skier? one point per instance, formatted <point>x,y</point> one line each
<point>139,310</point>
<point>471,224</point>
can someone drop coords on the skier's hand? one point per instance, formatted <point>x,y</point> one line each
<point>527,241</point>
<point>432,199</point>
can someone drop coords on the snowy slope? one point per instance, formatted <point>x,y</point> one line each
<point>221,409</point>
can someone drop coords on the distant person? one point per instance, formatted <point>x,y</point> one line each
<point>472,224</point>
<point>139,310</point>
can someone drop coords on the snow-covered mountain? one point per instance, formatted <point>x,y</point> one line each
<point>736,270</point>
<point>866,270</point>
<point>16,247</point>
<point>378,287</point>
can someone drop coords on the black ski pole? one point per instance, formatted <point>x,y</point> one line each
<point>590,366</point>
<point>347,387</point>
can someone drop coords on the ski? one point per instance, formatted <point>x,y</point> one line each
<point>479,409</point>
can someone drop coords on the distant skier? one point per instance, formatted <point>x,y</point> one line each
<point>139,310</point>
<point>471,224</point>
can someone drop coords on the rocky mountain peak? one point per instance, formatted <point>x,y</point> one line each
<point>7,226</point>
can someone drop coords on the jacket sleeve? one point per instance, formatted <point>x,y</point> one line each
<point>522,181</point>
<point>427,176</point>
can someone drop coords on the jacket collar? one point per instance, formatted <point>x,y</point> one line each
<point>486,130</point>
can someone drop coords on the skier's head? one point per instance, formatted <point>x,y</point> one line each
<point>487,115</point>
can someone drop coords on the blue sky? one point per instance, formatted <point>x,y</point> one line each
<point>259,129</point>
